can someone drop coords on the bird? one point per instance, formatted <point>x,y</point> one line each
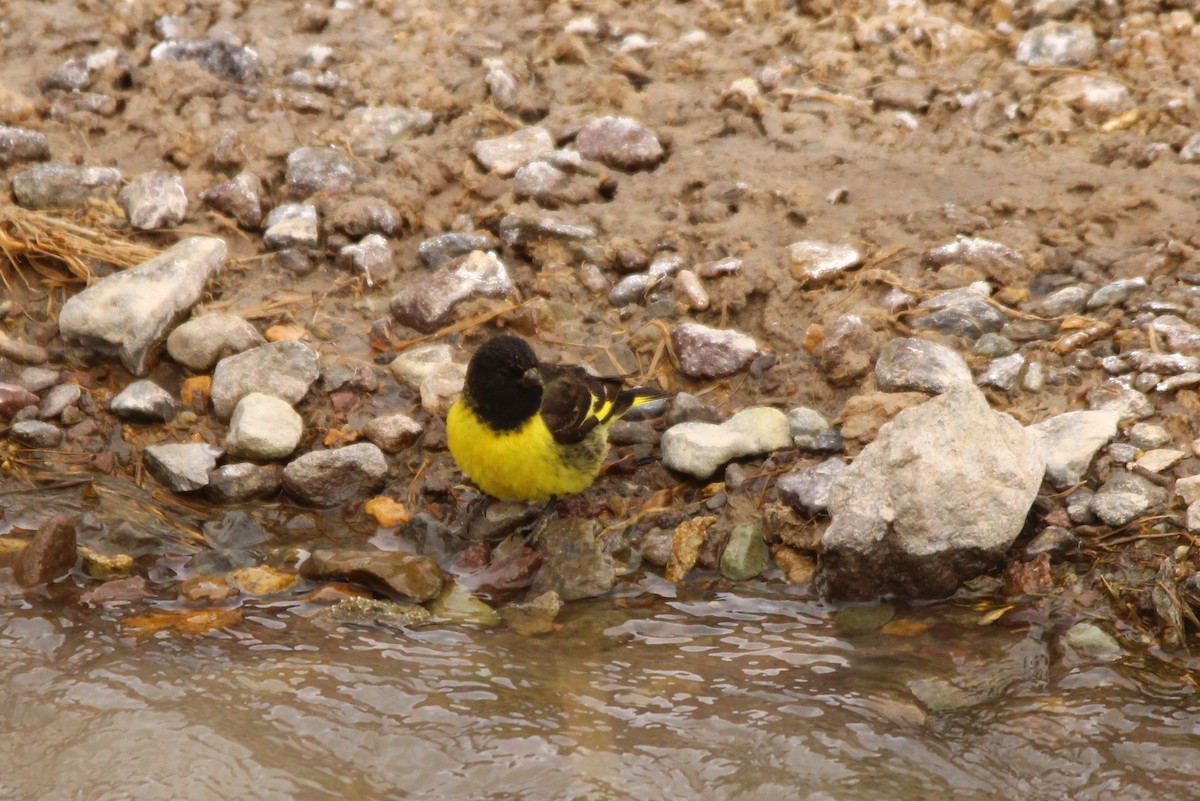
<point>527,431</point>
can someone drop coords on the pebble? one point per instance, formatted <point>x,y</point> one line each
<point>442,388</point>
<point>14,106</point>
<point>393,432</point>
<point>631,289</point>
<point>523,231</point>
<point>1092,640</point>
<point>1163,363</point>
<point>949,477</point>
<point>263,427</point>
<point>154,200</point>
<point>535,616</point>
<point>50,555</point>
<point>906,95</point>
<point>1115,365</point>
<point>994,346</point>
<point>371,257</point>
<point>1003,373</point>
<point>1115,293</point>
<point>504,155</point>
<point>1188,488</point>
<point>21,144</point>
<point>292,225</point>
<point>1177,382</point>
<point>1058,44</point>
<point>963,312</point>
<point>1189,152</point>
<point>1068,442</point>
<point>378,132</point>
<point>144,400</point>
<point>240,197</point>
<point>447,247</point>
<point>36,434</point>
<point>56,400</point>
<point>261,580</point>
<point>1052,539</point>
<point>287,369</point>
<point>371,612</point>
<point>1115,396</point>
<point>1097,97</point>
<point>1065,301</point>
<point>730,265</point>
<point>807,490</point>
<point>821,261</point>
<point>1145,436</point>
<point>456,604</point>
<point>805,425</point>
<point>619,142</point>
<point>129,312</point>
<point>319,169</point>
<point>333,477</point>
<point>575,563</point>
<point>692,290</point>
<point>97,103</point>
<point>746,554</point>
<point>103,567</point>
<point>846,351</point>
<point>223,56</point>
<point>37,379</point>
<point>1192,517</point>
<point>699,449</point>
<point>235,531</point>
<point>13,398</point>
<point>909,364</point>
<point>244,481</point>
<point>412,367</point>
<point>1079,506</point>
<point>77,74</point>
<point>202,341</point>
<point>429,304</point>
<point>391,572</point>
<point>1126,497</point>
<point>997,261</point>
<point>1121,453</point>
<point>1156,460</point>
<point>64,186</point>
<point>182,467</point>
<point>712,352</point>
<point>22,352</point>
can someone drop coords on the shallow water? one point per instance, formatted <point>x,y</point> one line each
<point>711,694</point>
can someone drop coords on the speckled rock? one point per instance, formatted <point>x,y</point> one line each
<point>21,144</point>
<point>144,400</point>
<point>821,261</point>
<point>712,352</point>
<point>240,197</point>
<point>201,342</point>
<point>619,142</point>
<point>447,247</point>
<point>1003,373</point>
<point>1058,44</point>
<point>64,186</point>
<point>411,367</point>
<point>263,427</point>
<point>532,617</point>
<point>154,200</point>
<point>292,225</point>
<point>286,369</point>
<point>77,74</point>
<point>371,257</point>
<point>333,477</point>
<point>847,350</point>
<point>57,400</point>
<point>223,56</point>
<point>244,481</point>
<point>182,467</point>
<point>997,261</point>
<point>13,398</point>
<point>574,562</point>
<point>698,449</point>
<point>937,498</point>
<point>907,364</point>
<point>430,303</point>
<point>1127,402</point>
<point>319,169</point>
<point>963,312</point>
<point>36,434</point>
<point>128,313</point>
<point>380,131</point>
<point>1126,497</point>
<point>807,490</point>
<point>504,155</point>
<point>393,432</point>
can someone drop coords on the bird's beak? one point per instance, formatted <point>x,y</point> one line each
<point>532,376</point>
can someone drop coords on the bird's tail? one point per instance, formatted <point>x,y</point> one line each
<point>632,398</point>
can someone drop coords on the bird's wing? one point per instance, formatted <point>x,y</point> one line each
<point>575,402</point>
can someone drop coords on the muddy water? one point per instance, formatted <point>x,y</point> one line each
<point>703,694</point>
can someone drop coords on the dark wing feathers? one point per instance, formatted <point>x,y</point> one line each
<point>574,402</point>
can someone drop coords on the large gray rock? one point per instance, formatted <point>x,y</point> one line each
<point>937,498</point>
<point>1125,497</point>
<point>1069,441</point>
<point>182,467</point>
<point>909,364</point>
<point>129,313</point>
<point>202,341</point>
<point>284,369</point>
<point>263,427</point>
<point>698,449</point>
<point>332,477</point>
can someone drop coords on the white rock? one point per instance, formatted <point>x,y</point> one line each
<point>292,225</point>
<point>908,363</point>
<point>820,261</point>
<point>201,341</point>
<point>411,367</point>
<point>1159,459</point>
<point>698,449</point>
<point>1068,442</point>
<point>504,155</point>
<point>263,427</point>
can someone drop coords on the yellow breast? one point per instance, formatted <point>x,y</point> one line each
<point>525,464</point>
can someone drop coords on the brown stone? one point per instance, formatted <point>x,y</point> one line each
<point>50,555</point>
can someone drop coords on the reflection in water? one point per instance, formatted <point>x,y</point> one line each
<point>753,695</point>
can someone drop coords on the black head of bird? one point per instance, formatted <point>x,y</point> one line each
<point>504,382</point>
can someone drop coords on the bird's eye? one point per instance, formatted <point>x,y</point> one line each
<point>532,376</point>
